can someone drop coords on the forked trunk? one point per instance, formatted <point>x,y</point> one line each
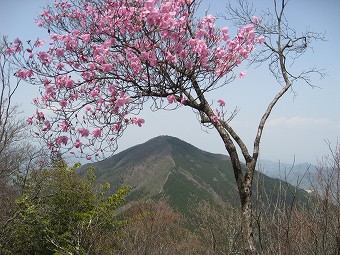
<point>243,181</point>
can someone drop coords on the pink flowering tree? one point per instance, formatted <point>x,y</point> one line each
<point>106,58</point>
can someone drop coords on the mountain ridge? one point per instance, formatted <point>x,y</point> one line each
<point>300,174</point>
<point>166,166</point>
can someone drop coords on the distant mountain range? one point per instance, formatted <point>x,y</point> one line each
<point>169,167</point>
<point>299,174</point>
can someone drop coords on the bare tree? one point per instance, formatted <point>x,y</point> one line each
<point>10,127</point>
<point>306,224</point>
<point>218,227</point>
<point>153,227</point>
<point>282,46</point>
<point>17,154</point>
<point>326,194</point>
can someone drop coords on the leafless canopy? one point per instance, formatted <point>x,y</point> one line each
<point>282,40</point>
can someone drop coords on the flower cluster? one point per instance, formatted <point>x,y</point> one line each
<point>105,57</point>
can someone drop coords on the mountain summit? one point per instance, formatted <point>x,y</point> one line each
<point>169,167</point>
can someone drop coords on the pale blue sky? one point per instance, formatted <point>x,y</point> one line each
<point>298,125</point>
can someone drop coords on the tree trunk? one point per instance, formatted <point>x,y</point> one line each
<point>244,181</point>
<point>247,226</point>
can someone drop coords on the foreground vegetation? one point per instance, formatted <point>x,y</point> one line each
<point>54,211</point>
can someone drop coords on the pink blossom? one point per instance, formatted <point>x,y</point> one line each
<point>17,46</point>
<point>68,82</point>
<point>94,93</point>
<point>21,74</point>
<point>88,108</point>
<point>106,68</point>
<point>100,101</point>
<point>47,126</point>
<point>138,121</point>
<point>116,127</point>
<point>97,132</point>
<point>256,20</point>
<point>208,20</point>
<point>39,43</point>
<point>86,38</point>
<point>44,57</point>
<point>29,120</point>
<point>248,28</point>
<point>171,58</point>
<point>183,100</point>
<point>39,23</point>
<point>61,140</point>
<point>63,103</point>
<point>91,66</point>
<point>29,73</point>
<point>49,90</point>
<point>60,52</point>
<point>199,46</point>
<point>83,131</point>
<point>242,74</point>
<point>122,100</point>
<point>260,39</point>
<point>171,99</point>
<point>73,96</point>
<point>188,64</point>
<point>45,81</point>
<point>201,33</point>
<point>40,116</point>
<point>77,143</point>
<point>112,90</point>
<point>225,34</point>
<point>64,126</point>
<point>9,51</point>
<point>17,41</point>
<point>219,72</point>
<point>221,102</point>
<point>88,157</point>
<point>60,66</point>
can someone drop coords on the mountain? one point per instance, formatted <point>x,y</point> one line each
<point>300,174</point>
<point>169,167</point>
